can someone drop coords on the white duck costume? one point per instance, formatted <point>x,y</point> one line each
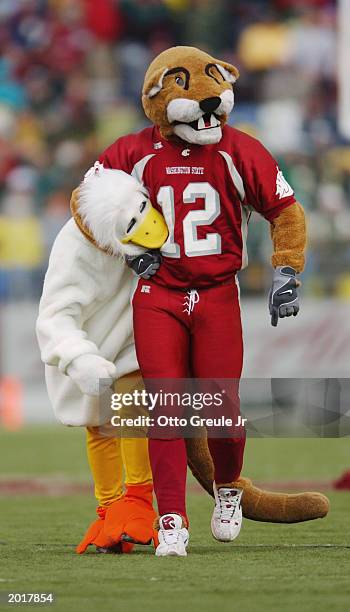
<point>84,331</point>
<point>85,306</point>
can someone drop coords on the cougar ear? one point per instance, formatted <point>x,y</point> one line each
<point>154,83</point>
<point>228,71</point>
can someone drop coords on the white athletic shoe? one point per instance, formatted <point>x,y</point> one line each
<point>173,536</point>
<point>226,521</point>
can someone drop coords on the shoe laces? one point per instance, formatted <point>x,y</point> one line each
<point>170,536</point>
<point>191,299</point>
<point>229,501</point>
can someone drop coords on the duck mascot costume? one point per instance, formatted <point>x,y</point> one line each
<point>167,207</point>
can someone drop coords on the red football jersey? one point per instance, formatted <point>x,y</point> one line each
<point>206,194</point>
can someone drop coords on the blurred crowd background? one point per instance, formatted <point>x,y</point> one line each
<point>71,72</point>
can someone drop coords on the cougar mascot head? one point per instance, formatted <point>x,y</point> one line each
<point>188,94</point>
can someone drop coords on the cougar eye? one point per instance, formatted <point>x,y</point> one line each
<point>131,225</point>
<point>142,207</point>
<point>180,81</point>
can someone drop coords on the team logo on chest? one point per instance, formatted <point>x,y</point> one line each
<point>184,170</point>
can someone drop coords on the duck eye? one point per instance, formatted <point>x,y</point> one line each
<point>131,225</point>
<point>142,207</point>
<point>180,81</point>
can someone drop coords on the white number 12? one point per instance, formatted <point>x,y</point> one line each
<point>194,246</point>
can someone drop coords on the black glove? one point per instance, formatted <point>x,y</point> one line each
<point>146,264</point>
<point>283,296</point>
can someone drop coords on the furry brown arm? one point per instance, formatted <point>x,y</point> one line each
<point>288,233</point>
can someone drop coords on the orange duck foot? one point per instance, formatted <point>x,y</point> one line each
<point>95,535</point>
<point>131,518</point>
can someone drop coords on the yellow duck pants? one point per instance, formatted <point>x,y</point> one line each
<point>115,460</point>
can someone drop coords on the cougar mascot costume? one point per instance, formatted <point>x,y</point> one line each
<point>205,178</point>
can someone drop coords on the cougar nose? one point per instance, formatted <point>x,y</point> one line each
<point>208,105</point>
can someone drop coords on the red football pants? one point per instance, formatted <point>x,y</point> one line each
<point>177,339</point>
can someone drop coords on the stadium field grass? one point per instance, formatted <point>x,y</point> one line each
<point>301,567</point>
